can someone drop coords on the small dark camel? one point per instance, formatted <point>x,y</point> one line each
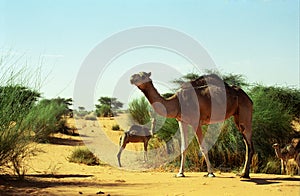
<point>135,134</point>
<point>194,105</point>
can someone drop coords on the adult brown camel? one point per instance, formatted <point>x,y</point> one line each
<point>198,103</point>
<point>135,134</point>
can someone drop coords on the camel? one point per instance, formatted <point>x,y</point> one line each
<point>192,106</point>
<point>135,134</point>
<point>290,151</point>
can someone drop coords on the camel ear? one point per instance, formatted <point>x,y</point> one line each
<point>149,74</point>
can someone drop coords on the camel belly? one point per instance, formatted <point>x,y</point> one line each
<point>136,139</point>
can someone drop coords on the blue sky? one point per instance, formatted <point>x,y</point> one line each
<point>259,38</point>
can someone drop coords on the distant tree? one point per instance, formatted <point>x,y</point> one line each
<point>107,106</point>
<point>81,108</point>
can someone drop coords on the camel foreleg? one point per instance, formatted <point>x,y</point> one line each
<point>122,147</point>
<point>183,134</point>
<point>119,156</point>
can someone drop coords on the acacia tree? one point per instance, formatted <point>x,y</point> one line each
<point>107,106</point>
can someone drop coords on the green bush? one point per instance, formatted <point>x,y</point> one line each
<point>16,101</point>
<point>45,118</point>
<point>23,120</point>
<point>83,155</point>
<point>139,110</point>
<point>271,122</point>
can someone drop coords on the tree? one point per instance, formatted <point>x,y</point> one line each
<point>107,106</point>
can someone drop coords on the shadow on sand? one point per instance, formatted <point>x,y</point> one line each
<point>65,141</point>
<point>267,181</point>
<point>11,185</point>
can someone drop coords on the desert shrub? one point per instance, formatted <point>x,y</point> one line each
<point>272,166</point>
<point>140,109</point>
<point>83,155</point>
<point>46,118</point>
<point>23,120</point>
<point>115,127</point>
<point>90,117</point>
<point>16,101</point>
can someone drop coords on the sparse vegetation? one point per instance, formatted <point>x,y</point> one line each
<point>25,119</point>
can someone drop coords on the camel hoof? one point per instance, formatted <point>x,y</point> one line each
<point>179,175</point>
<point>210,175</point>
<point>246,176</point>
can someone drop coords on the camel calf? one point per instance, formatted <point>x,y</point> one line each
<point>290,151</point>
<point>135,134</point>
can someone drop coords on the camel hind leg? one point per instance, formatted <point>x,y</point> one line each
<point>145,150</point>
<point>204,151</point>
<point>243,123</point>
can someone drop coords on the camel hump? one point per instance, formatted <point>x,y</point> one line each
<point>203,81</point>
<point>138,130</point>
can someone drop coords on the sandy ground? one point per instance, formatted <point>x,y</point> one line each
<point>50,173</point>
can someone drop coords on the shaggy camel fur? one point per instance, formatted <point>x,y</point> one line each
<point>206,100</point>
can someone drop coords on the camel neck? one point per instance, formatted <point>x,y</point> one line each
<point>164,107</point>
<point>278,153</point>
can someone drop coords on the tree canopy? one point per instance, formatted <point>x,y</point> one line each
<point>107,106</point>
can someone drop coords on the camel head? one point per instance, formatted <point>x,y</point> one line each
<point>275,146</point>
<point>140,78</point>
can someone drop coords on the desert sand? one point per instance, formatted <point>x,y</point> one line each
<point>50,173</point>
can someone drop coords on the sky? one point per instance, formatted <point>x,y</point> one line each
<point>256,38</point>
